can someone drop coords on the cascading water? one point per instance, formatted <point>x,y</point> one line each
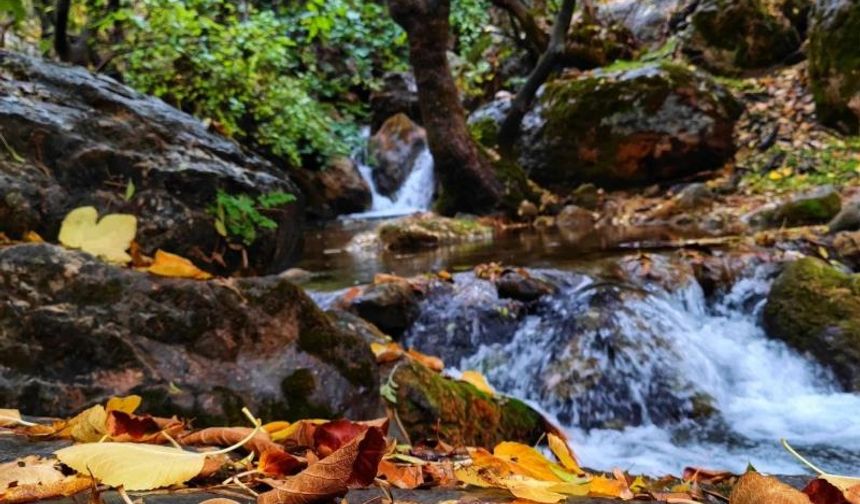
<point>633,374</point>
<point>414,196</point>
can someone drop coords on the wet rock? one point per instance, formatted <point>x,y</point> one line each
<point>353,324</point>
<point>847,247</point>
<point>648,21</point>
<point>575,220</point>
<point>342,188</point>
<point>485,121</point>
<point>694,196</point>
<point>430,231</point>
<point>394,149</point>
<point>521,286</point>
<point>815,308</point>
<point>587,196</point>
<point>399,95</point>
<point>390,306</point>
<point>834,68</point>
<point>85,138</point>
<point>593,43</point>
<point>432,407</point>
<point>74,331</point>
<point>817,206</point>
<point>848,219</point>
<point>633,127</point>
<point>728,37</point>
<point>527,211</point>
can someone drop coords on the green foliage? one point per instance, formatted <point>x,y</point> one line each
<point>469,21</point>
<point>240,216</point>
<point>13,8</point>
<point>837,163</point>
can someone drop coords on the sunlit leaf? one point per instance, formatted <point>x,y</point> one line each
<point>172,265</point>
<point>478,381</point>
<point>563,453</point>
<point>107,238</point>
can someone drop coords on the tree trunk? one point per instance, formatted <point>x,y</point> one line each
<point>469,183</point>
<point>510,128</point>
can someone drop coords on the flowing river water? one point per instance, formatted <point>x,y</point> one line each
<point>623,368</point>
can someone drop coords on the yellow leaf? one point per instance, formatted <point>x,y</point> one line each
<point>126,404</point>
<point>28,471</point>
<point>478,381</point>
<point>477,476</point>
<point>563,452</point>
<point>33,237</point>
<point>534,490</point>
<point>133,466</point>
<point>107,238</point>
<point>601,486</point>
<point>527,458</point>
<point>87,426</point>
<point>388,352</point>
<point>172,265</point>
<point>9,417</point>
<point>276,426</point>
<point>293,428</point>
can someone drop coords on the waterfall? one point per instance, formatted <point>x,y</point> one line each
<point>414,196</point>
<point>622,373</point>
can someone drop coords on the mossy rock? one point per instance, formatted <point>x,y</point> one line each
<point>834,63</point>
<point>730,36</point>
<point>635,126</point>
<point>815,309</point>
<point>816,207</point>
<point>433,407</point>
<point>430,231</point>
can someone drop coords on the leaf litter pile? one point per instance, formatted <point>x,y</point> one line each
<point>318,460</point>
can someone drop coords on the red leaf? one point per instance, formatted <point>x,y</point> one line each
<point>353,464</point>
<point>331,436</point>
<point>822,492</point>
<point>279,463</point>
<point>137,427</point>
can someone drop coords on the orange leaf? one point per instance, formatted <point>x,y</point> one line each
<point>753,488</point>
<point>66,487</point>
<point>529,460</point>
<point>136,427</point>
<point>279,463</point>
<point>172,265</point>
<point>228,436</point>
<point>389,352</point>
<point>401,476</point>
<point>354,464</point>
<point>434,363</point>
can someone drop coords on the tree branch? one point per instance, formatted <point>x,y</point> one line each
<point>61,25</point>
<point>510,128</point>
<point>535,36</point>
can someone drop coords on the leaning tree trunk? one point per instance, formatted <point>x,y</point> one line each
<point>469,183</point>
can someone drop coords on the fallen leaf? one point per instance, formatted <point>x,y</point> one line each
<point>710,477</point>
<point>354,464</point>
<point>32,237</point>
<point>172,265</point>
<point>279,463</point>
<point>134,427</point>
<point>563,453</point>
<point>66,487</point>
<point>133,466</point>
<point>299,433</point>
<point>87,426</point>
<point>227,436</point>
<point>29,471</point>
<point>753,488</point>
<point>9,417</point>
<point>330,436</point>
<point>127,404</point>
<point>388,352</point>
<point>107,238</point>
<point>601,486</point>
<point>530,460</point>
<point>406,477</point>
<point>434,363</point>
<point>478,381</point>
<point>820,491</point>
<point>273,427</point>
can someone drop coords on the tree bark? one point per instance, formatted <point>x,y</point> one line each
<point>61,25</point>
<point>510,128</point>
<point>536,38</point>
<point>468,181</point>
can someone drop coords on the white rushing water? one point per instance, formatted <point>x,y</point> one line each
<point>414,196</point>
<point>763,390</point>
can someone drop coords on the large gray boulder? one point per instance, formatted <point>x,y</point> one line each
<point>73,138</point>
<point>75,331</point>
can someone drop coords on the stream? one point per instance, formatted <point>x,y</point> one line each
<point>626,370</point>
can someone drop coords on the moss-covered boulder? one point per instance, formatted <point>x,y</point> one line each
<point>817,206</point>
<point>628,127</point>
<point>730,36</point>
<point>430,231</point>
<point>431,406</point>
<point>75,331</point>
<point>834,63</point>
<point>815,308</point>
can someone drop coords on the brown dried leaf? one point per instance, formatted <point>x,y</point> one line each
<point>354,464</point>
<point>401,476</point>
<point>753,488</point>
<point>228,436</point>
<point>29,493</point>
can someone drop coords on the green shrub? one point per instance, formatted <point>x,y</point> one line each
<point>240,216</point>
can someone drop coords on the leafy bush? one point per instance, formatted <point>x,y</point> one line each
<point>240,216</point>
